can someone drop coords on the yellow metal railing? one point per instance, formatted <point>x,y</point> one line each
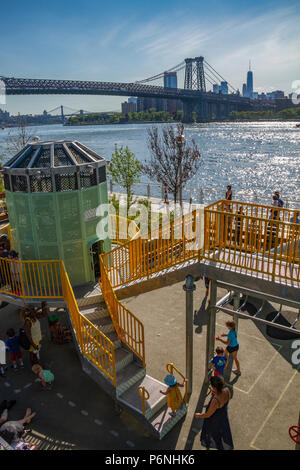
<point>93,343</point>
<point>263,239</point>
<point>122,230</point>
<point>180,241</point>
<point>30,279</point>
<point>144,394</point>
<point>129,329</point>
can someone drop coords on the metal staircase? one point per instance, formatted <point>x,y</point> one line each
<point>131,376</point>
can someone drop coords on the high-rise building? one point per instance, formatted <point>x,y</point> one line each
<point>129,107</point>
<point>216,88</point>
<point>250,81</point>
<point>244,92</point>
<point>170,80</point>
<point>224,88</point>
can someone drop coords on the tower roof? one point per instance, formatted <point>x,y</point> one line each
<point>63,153</point>
<point>63,165</point>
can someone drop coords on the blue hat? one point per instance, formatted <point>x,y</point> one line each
<point>170,380</point>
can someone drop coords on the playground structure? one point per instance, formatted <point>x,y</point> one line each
<point>248,249</point>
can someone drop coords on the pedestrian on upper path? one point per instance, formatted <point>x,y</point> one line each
<point>216,432</point>
<point>232,344</point>
<point>228,193</point>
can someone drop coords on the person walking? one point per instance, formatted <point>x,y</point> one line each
<point>232,344</point>
<point>216,432</point>
<point>32,329</point>
<point>175,399</point>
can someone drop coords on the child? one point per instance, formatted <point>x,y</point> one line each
<point>60,334</point>
<point>219,362</point>
<point>46,376</point>
<point>174,395</point>
<point>13,346</point>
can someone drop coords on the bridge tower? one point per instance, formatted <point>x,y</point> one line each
<point>194,74</point>
<point>62,114</point>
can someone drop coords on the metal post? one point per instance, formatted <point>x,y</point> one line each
<point>211,326</point>
<point>189,288</point>
<point>148,191</point>
<point>236,304</point>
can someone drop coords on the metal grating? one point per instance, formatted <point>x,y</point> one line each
<point>24,163</point>
<point>43,160</point>
<point>88,177</point>
<point>61,158</point>
<point>6,182</point>
<point>79,157</point>
<point>102,174</point>
<point>66,182</point>
<point>19,184</point>
<point>41,184</point>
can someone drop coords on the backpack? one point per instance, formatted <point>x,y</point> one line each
<point>23,340</point>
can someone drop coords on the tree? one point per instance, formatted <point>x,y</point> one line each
<point>125,169</point>
<point>20,137</point>
<point>173,161</point>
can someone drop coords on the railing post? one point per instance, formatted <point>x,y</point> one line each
<point>20,266</point>
<point>148,191</point>
<point>211,327</point>
<point>189,288</point>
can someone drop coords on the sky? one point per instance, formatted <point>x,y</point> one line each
<point>125,41</point>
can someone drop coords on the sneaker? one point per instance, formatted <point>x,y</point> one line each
<point>237,372</point>
<point>172,413</point>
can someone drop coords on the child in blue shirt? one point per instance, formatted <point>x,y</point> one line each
<point>13,346</point>
<point>219,362</point>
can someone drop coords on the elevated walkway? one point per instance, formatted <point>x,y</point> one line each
<point>228,240</point>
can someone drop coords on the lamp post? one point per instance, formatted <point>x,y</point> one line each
<point>189,288</point>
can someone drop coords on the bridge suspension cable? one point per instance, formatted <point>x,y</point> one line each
<point>218,76</point>
<point>176,68</point>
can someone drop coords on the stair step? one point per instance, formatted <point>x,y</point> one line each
<point>122,358</point>
<point>112,335</point>
<point>95,309</point>
<point>163,422</point>
<point>104,324</point>
<point>128,376</point>
<point>155,402</point>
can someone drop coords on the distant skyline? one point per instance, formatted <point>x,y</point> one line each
<point>128,41</point>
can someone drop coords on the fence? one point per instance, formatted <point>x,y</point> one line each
<point>129,329</point>
<point>203,195</point>
<point>259,238</point>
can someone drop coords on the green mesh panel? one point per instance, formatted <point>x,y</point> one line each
<point>44,214</point>
<point>53,226</point>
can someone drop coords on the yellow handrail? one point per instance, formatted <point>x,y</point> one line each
<point>129,328</point>
<point>170,368</point>
<point>263,239</point>
<point>93,343</point>
<point>144,394</point>
<point>118,235</point>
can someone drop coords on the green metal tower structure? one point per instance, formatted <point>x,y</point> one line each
<point>53,190</point>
